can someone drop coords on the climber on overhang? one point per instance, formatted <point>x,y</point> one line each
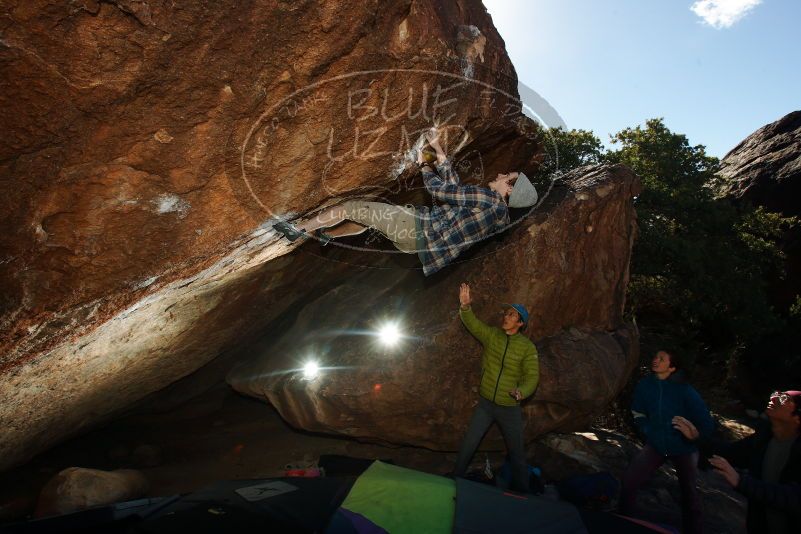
<point>437,234</point>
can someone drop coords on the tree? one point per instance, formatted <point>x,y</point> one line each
<point>566,150</point>
<point>700,264</point>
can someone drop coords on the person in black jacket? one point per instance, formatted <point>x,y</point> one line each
<point>772,457</point>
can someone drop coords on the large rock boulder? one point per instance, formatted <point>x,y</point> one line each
<point>569,264</point>
<point>142,139</point>
<point>765,170</point>
<point>147,148</point>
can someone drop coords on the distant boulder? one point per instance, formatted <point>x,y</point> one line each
<point>765,168</point>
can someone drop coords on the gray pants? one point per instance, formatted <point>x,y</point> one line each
<point>510,421</point>
<point>397,223</point>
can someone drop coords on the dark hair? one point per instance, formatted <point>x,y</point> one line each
<point>520,318</point>
<point>675,357</point>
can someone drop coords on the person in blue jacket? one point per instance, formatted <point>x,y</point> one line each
<point>661,401</point>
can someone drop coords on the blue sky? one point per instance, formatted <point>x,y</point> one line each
<point>609,65</point>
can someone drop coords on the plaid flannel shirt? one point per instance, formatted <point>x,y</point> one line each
<point>468,215</point>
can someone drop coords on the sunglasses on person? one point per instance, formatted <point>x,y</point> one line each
<point>781,396</point>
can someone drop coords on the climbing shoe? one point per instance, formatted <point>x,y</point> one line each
<point>323,237</point>
<point>288,230</point>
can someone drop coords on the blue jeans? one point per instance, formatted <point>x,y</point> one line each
<point>510,421</point>
<point>642,469</point>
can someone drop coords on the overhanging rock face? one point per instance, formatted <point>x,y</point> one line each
<point>148,146</point>
<point>144,139</point>
<point>569,264</point>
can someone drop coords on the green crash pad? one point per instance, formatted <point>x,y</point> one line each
<point>402,500</point>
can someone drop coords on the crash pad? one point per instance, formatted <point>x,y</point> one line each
<point>401,500</point>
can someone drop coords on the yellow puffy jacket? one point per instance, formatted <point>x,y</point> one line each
<point>508,362</point>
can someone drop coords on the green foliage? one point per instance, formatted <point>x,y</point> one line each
<point>760,229</point>
<point>700,264</point>
<point>795,309</point>
<point>567,150</point>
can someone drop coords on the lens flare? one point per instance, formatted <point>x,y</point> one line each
<point>389,334</point>
<point>310,370</point>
